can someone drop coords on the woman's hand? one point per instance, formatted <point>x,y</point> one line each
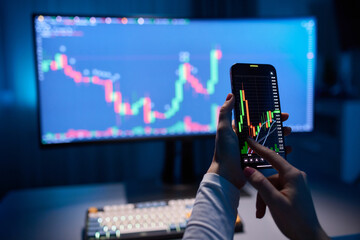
<point>287,196</point>
<point>226,161</point>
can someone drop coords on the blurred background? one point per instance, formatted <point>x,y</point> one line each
<point>330,153</point>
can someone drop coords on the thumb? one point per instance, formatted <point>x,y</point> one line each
<point>226,111</point>
<point>267,191</point>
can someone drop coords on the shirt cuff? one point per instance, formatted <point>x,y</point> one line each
<point>229,189</point>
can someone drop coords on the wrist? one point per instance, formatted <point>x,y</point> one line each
<point>230,176</point>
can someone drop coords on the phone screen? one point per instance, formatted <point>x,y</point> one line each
<point>257,111</point>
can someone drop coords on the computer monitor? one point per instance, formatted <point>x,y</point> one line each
<point>118,78</point>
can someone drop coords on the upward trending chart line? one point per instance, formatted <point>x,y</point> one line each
<point>266,120</point>
<point>123,108</point>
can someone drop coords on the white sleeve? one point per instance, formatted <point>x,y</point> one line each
<point>215,209</point>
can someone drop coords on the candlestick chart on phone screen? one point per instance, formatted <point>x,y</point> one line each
<point>259,110</point>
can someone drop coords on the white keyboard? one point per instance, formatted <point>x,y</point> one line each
<point>147,220</point>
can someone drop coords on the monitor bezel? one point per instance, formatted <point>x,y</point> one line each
<point>134,139</point>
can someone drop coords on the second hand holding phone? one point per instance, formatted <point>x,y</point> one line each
<point>257,111</point>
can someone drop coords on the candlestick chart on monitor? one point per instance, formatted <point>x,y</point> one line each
<point>143,106</point>
<point>104,79</point>
<point>118,78</point>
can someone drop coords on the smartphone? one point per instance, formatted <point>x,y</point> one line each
<point>257,111</point>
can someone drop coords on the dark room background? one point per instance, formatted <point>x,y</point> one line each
<point>325,153</point>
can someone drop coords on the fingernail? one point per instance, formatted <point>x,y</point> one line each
<point>228,97</point>
<point>248,171</point>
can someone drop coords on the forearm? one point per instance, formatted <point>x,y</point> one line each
<point>215,209</point>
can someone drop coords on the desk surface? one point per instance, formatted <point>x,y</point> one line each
<point>59,212</point>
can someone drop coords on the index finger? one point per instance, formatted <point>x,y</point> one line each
<point>272,157</point>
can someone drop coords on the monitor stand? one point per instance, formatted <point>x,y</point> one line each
<point>179,162</point>
<point>178,177</point>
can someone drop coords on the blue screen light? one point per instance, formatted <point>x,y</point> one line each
<point>124,78</point>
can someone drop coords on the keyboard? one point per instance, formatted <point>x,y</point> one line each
<point>145,220</point>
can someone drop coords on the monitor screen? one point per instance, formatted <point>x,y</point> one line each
<point>107,78</point>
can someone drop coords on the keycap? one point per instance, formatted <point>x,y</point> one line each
<point>155,219</point>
